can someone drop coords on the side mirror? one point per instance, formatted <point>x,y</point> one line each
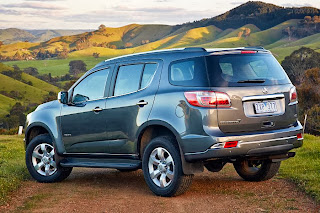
<point>63,97</point>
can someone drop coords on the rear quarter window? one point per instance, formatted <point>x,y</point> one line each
<point>188,72</point>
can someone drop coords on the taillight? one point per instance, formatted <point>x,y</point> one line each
<point>208,99</point>
<point>293,95</point>
<point>299,136</point>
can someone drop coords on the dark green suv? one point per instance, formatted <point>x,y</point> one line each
<point>171,113</point>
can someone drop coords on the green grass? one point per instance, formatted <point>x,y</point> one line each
<point>56,67</point>
<point>30,94</point>
<point>5,104</point>
<point>37,83</point>
<point>12,165</point>
<point>304,168</point>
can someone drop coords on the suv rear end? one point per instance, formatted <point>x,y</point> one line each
<point>231,105</point>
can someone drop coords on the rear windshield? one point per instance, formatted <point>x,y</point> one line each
<point>245,69</point>
<point>228,70</point>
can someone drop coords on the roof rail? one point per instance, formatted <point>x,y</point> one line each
<point>196,49</point>
<point>255,47</point>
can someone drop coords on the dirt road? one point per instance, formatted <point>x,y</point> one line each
<point>107,190</point>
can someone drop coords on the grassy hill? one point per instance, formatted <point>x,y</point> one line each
<point>5,104</point>
<point>13,35</point>
<point>13,91</point>
<point>30,94</point>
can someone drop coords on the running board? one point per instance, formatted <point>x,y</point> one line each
<point>101,163</point>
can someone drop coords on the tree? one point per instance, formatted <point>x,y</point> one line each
<point>299,61</point>
<point>102,27</point>
<point>112,46</point>
<point>128,45</point>
<point>96,55</point>
<point>247,32</point>
<point>76,67</point>
<point>240,33</point>
<point>17,56</point>
<point>31,71</point>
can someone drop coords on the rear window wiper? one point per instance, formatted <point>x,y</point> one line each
<point>252,81</point>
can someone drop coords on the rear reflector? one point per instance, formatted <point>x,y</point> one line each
<point>208,99</point>
<point>299,136</point>
<point>231,144</point>
<point>248,52</point>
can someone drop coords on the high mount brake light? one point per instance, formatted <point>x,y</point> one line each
<point>208,99</point>
<point>248,52</point>
<point>293,95</point>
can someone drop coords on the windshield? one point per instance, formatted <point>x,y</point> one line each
<point>245,70</point>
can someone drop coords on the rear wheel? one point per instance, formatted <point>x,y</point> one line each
<point>256,170</point>
<point>41,161</point>
<point>162,168</point>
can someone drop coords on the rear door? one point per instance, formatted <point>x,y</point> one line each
<point>130,102</point>
<point>258,89</point>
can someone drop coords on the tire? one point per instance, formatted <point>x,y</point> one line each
<point>40,154</point>
<point>161,158</point>
<point>256,170</point>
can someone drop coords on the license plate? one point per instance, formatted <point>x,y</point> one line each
<point>265,107</point>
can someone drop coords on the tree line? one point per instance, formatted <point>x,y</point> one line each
<point>303,68</point>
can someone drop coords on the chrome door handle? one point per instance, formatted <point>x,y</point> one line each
<point>97,109</point>
<point>142,103</point>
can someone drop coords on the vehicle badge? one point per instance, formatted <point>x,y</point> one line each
<point>265,90</point>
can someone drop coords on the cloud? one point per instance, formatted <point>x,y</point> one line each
<point>296,5</point>
<point>121,15</point>
<point>237,2</point>
<point>34,5</point>
<point>9,12</point>
<point>45,0</point>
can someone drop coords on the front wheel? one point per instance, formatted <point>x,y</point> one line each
<point>256,170</point>
<point>41,161</point>
<point>162,168</point>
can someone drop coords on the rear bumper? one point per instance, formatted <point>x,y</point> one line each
<point>251,145</point>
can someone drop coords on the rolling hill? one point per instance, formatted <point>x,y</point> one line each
<point>13,35</point>
<point>13,91</point>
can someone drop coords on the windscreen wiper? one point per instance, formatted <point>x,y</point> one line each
<point>252,81</point>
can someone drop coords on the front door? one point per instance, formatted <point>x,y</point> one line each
<point>83,121</point>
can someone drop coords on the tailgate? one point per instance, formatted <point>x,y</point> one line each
<point>257,108</point>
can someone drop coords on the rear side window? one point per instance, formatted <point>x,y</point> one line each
<point>131,78</point>
<point>148,73</point>
<point>245,70</point>
<point>188,72</point>
<point>128,79</point>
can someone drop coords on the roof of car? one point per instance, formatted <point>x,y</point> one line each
<point>182,50</point>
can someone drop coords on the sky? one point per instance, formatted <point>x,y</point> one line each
<point>89,14</point>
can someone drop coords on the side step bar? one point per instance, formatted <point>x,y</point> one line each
<point>101,163</point>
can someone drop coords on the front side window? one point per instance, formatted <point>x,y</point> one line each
<point>91,88</point>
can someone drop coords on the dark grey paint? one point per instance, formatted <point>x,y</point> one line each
<point>114,131</point>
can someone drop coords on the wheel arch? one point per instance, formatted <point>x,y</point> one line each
<point>152,129</point>
<point>36,129</point>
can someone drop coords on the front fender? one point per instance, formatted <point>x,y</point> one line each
<point>48,119</point>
